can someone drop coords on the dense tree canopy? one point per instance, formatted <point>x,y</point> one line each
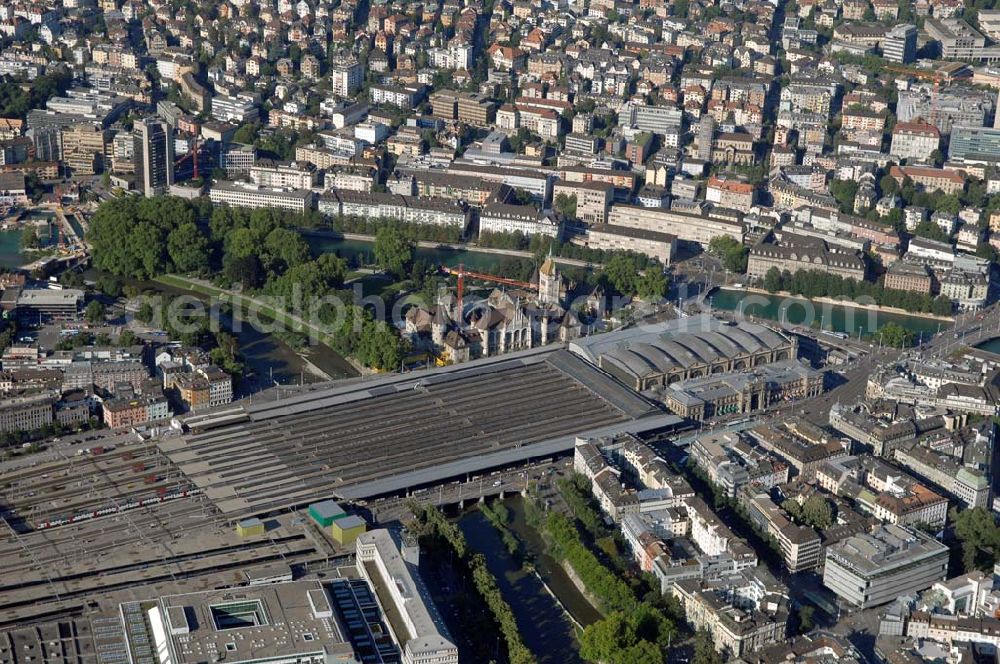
<point>129,235</point>
<point>393,251</point>
<point>253,250</point>
<point>637,637</point>
<point>977,531</point>
<point>815,511</point>
<point>17,97</point>
<point>731,252</point>
<point>895,336</point>
<point>817,283</point>
<point>188,249</point>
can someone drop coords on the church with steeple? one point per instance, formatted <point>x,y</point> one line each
<point>504,321</point>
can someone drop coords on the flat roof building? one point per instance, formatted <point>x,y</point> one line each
<point>282,622</point>
<point>241,194</point>
<point>383,553</point>
<point>876,568</point>
<point>37,305</point>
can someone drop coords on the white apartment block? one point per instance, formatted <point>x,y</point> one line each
<point>284,175</point>
<point>241,194</point>
<point>501,218</point>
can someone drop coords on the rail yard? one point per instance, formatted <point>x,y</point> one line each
<point>132,517</point>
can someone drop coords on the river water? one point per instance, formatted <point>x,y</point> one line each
<point>836,318</point>
<point>546,629</point>
<point>992,345</point>
<point>10,249</point>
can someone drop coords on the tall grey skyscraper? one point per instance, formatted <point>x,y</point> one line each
<point>154,156</point>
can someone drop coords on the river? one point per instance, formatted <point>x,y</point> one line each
<point>836,318</point>
<point>10,250</point>
<point>546,629</point>
<point>991,345</point>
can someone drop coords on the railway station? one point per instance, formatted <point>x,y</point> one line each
<point>135,517</point>
<point>381,436</point>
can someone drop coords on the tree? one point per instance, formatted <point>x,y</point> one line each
<point>244,270</point>
<point>286,248</point>
<point>977,532</point>
<point>731,252</point>
<point>844,191</point>
<point>772,280</point>
<point>379,347</point>
<point>565,205</point>
<point>188,249</point>
<point>889,185</point>
<point>704,649</point>
<point>621,274</point>
<point>393,252</point>
<point>145,313</point>
<point>806,621</point>
<point>895,335</point>
<point>108,284</point>
<point>653,285</point>
<point>817,512</point>
<point>29,238</point>
<point>639,636</point>
<point>94,313</point>
<point>129,235</point>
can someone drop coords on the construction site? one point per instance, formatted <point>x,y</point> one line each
<point>141,518</point>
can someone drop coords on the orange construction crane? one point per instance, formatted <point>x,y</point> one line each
<point>462,273</point>
<point>192,153</point>
<point>935,76</point>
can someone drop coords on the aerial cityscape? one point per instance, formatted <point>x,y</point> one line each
<point>499,331</point>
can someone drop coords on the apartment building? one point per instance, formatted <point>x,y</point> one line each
<point>932,179</point>
<point>974,143</point>
<point>153,156</point>
<point>958,40</point>
<point>742,613</point>
<point>27,413</point>
<point>967,484</point>
<point>346,76</point>
<point>607,237</point>
<point>914,140</point>
<point>524,219</point>
<point>237,110</point>
<point>283,175</point>
<point>220,385</point>
<point>436,184</point>
<point>799,252</point>
<point>85,148</point>
<point>593,199</point>
<point>361,178</point>
<point>730,193</point>
<point>693,228</point>
<point>242,194</point>
<point>236,159</point>
<point>900,44</point>
<point>410,209</point>
<point>117,413</point>
<point>909,276</point>
<point>731,462</point>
